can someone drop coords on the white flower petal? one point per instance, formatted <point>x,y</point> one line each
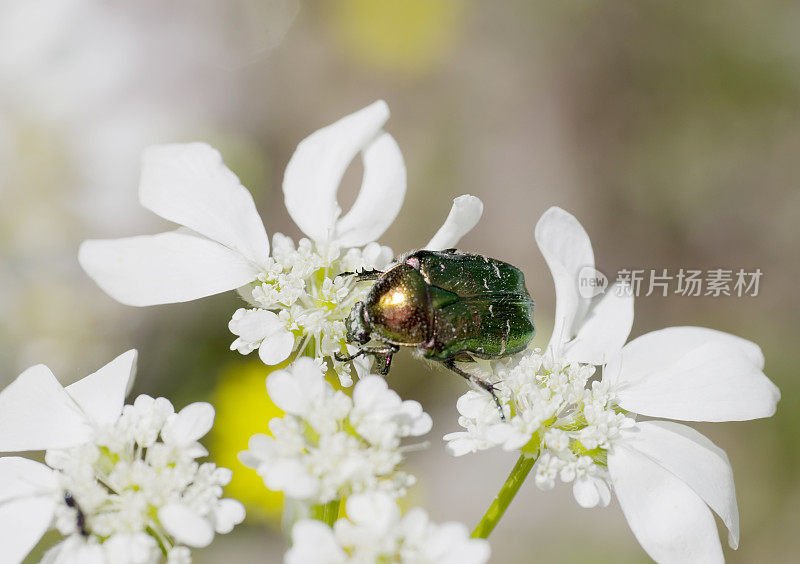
<point>372,393</point>
<point>418,422</point>
<point>604,331</point>
<point>586,493</point>
<point>131,548</point>
<point>715,381</point>
<point>37,413</point>
<point>254,325</point>
<point>381,197</point>
<point>227,514</point>
<point>186,525</point>
<point>376,511</point>
<point>662,347</point>
<point>314,541</point>
<point>566,249</point>
<point>464,215</point>
<point>282,246</point>
<point>291,477</point>
<point>24,478</point>
<point>189,424</point>
<point>196,451</point>
<point>101,394</point>
<point>293,390</point>
<point>363,366</point>
<point>166,268</point>
<point>277,347</point>
<point>474,404</point>
<point>260,448</point>
<point>315,170</point>
<point>377,256</point>
<point>74,550</point>
<point>669,519</point>
<point>190,185</point>
<point>450,544</point>
<point>22,524</point>
<point>697,461</point>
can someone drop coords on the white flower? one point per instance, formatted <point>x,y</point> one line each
<point>666,475</point>
<point>551,413</point>
<point>110,486</point>
<point>297,302</point>
<point>328,445</point>
<point>374,531</point>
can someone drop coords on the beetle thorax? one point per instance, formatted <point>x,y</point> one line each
<point>398,307</point>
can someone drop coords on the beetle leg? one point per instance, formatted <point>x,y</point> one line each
<point>488,386</point>
<point>382,353</point>
<point>348,358</point>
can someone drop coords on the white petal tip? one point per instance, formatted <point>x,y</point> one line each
<point>463,217</point>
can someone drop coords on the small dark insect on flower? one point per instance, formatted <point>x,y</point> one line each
<point>452,306</point>
<point>81,519</point>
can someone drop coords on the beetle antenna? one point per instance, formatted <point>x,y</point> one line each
<point>362,275</point>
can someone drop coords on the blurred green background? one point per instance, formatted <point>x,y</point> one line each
<point>671,130</point>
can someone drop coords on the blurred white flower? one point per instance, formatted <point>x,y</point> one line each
<point>110,486</point>
<point>374,531</point>
<point>666,475</point>
<point>87,84</point>
<point>298,304</point>
<point>328,445</point>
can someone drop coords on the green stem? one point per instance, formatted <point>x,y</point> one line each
<point>504,496</point>
<point>327,512</point>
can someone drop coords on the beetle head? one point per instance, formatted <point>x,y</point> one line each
<point>357,323</point>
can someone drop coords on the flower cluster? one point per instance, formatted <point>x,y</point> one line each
<point>121,483</point>
<point>551,413</point>
<point>300,303</point>
<point>667,476</point>
<point>374,531</point>
<point>297,303</point>
<point>329,445</point>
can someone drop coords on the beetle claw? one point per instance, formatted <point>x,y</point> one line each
<point>488,386</point>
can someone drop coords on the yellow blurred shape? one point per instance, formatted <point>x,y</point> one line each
<point>243,409</point>
<point>404,35</point>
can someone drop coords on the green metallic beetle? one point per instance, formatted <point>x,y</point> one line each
<point>451,306</point>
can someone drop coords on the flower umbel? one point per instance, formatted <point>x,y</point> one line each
<point>668,477</point>
<point>374,531</point>
<point>121,487</point>
<point>301,303</point>
<point>328,445</point>
<point>297,303</point>
<point>553,414</point>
